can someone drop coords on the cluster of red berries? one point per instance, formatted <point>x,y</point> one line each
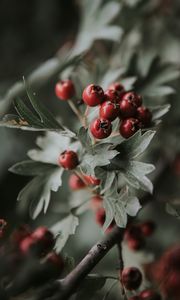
<point>40,243</point>
<point>28,261</point>
<point>114,103</point>
<point>166,272</point>
<point>135,234</point>
<point>131,279</point>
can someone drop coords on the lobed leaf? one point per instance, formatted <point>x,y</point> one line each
<point>63,229</point>
<point>37,192</point>
<point>30,168</point>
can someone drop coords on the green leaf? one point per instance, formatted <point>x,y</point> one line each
<point>45,115</point>
<point>26,114</point>
<point>137,144</point>
<point>101,156</point>
<point>132,206</point>
<point>50,147</point>
<point>106,183</point>
<point>110,76</point>
<point>23,125</point>
<point>37,192</point>
<point>85,139</point>
<point>130,180</point>
<point>153,75</point>
<point>159,111</point>
<point>128,82</point>
<point>140,168</point>
<point>119,205</point>
<point>64,229</point>
<point>159,91</point>
<point>109,214</point>
<point>120,215</point>
<point>173,208</point>
<point>134,174</point>
<point>30,168</point>
<point>94,25</point>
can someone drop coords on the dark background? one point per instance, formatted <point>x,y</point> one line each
<point>30,32</point>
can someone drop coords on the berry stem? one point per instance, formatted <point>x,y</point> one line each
<point>82,178</point>
<point>85,116</point>
<point>115,133</point>
<point>121,267</point>
<point>76,111</point>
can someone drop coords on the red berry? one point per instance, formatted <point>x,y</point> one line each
<point>42,233</point>
<point>19,234</point>
<point>101,128</point>
<point>27,245</point>
<point>131,278</point>
<point>132,97</point>
<point>90,180</point>
<point>96,202</point>
<point>170,287</point>
<point>149,295</point>
<point>68,160</point>
<point>134,237</point>
<point>117,86</point>
<point>64,89</point>
<point>112,95</point>
<point>128,127</point>
<point>133,232</point>
<point>109,111</point>
<point>127,108</point>
<point>93,95</point>
<point>144,115</point>
<point>100,216</point>
<point>76,183</point>
<point>136,244</point>
<point>147,228</point>
<point>43,236</point>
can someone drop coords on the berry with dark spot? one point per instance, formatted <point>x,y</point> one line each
<point>68,160</point>
<point>128,127</point>
<point>109,110</point>
<point>101,128</point>
<point>93,95</point>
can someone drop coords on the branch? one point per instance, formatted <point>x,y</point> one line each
<point>74,279</point>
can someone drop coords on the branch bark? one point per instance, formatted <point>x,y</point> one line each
<point>74,279</point>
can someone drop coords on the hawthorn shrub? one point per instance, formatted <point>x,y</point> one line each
<point>120,129</point>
